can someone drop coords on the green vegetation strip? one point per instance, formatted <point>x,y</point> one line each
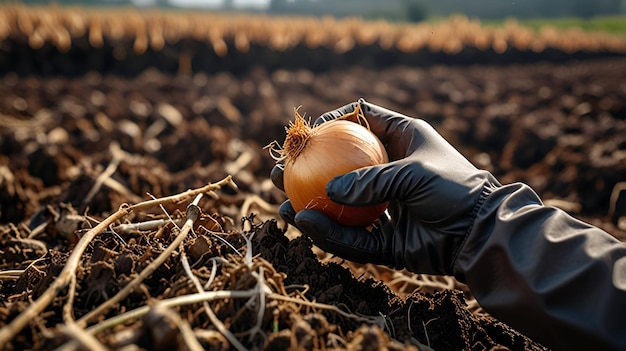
<point>609,24</point>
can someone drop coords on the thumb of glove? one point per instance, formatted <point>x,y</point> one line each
<point>373,185</point>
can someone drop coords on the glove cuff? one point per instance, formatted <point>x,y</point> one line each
<point>487,190</point>
<point>485,218</point>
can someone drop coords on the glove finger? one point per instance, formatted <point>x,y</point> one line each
<point>389,126</point>
<point>276,175</point>
<point>334,114</point>
<point>352,243</point>
<point>377,184</point>
<point>287,212</point>
<point>400,134</point>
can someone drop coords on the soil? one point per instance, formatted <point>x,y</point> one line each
<point>74,149</point>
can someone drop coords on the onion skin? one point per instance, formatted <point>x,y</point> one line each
<point>333,148</point>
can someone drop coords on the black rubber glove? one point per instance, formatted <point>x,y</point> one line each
<point>558,280</point>
<point>432,190</point>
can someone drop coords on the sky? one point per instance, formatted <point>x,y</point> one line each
<point>213,4</point>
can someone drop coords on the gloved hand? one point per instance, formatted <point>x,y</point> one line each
<point>433,193</point>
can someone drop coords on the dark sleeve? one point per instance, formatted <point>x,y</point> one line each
<point>558,280</point>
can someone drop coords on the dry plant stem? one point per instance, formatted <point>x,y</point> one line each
<point>240,163</point>
<point>38,230</point>
<point>34,242</point>
<point>105,177</point>
<point>261,287</point>
<point>175,301</point>
<point>475,307</point>
<point>209,334</point>
<point>187,334</point>
<point>71,329</point>
<point>111,168</point>
<point>8,332</point>
<point>86,340</point>
<point>617,189</point>
<point>216,235</point>
<point>248,256</point>
<point>191,341</point>
<point>209,189</point>
<point>131,228</point>
<point>68,318</point>
<point>220,294</point>
<point>120,188</point>
<point>256,200</point>
<point>13,274</point>
<point>213,274</point>
<point>325,307</point>
<point>426,331</point>
<point>425,281</point>
<point>216,322</point>
<point>192,215</point>
<point>336,340</point>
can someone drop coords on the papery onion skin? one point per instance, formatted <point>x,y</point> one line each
<point>333,148</point>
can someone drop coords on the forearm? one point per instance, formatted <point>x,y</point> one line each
<point>556,279</point>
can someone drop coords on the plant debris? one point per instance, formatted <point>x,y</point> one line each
<point>103,245</point>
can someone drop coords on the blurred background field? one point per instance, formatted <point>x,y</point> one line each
<point>56,40</point>
<point>533,91</point>
<point>485,85</point>
<point>393,10</point>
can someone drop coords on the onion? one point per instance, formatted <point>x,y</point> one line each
<point>313,156</point>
